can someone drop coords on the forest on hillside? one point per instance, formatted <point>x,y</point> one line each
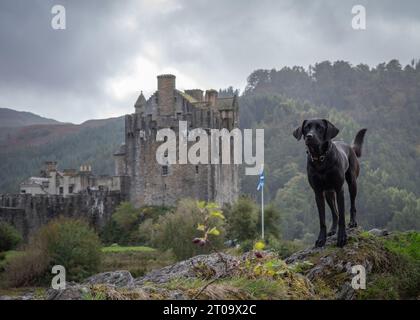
<point>385,99</point>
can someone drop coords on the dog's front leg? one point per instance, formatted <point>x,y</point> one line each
<point>341,236</point>
<point>320,203</point>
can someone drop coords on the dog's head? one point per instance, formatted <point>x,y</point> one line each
<point>315,132</point>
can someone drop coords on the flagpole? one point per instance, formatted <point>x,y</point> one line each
<point>262,212</point>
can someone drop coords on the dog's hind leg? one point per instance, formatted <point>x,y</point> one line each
<point>341,235</point>
<point>330,196</point>
<point>351,181</point>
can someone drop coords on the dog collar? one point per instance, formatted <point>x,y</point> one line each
<point>321,158</point>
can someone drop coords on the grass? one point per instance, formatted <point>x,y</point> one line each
<point>38,292</point>
<point>138,260</point>
<point>406,244</point>
<point>402,280</point>
<point>121,249</point>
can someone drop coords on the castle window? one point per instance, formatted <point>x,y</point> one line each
<point>165,170</point>
<point>196,169</point>
<point>70,189</point>
<point>61,190</point>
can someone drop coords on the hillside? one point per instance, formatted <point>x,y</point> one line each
<point>12,118</point>
<point>23,150</point>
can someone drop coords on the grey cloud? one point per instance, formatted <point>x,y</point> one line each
<point>62,73</point>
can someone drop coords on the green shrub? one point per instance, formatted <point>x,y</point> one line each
<point>67,242</point>
<point>176,230</point>
<point>284,248</point>
<point>9,237</point>
<point>27,269</point>
<point>242,219</point>
<point>124,225</point>
<point>271,221</point>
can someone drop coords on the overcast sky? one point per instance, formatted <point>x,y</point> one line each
<point>112,49</point>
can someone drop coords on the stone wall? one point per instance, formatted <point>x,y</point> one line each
<point>28,213</point>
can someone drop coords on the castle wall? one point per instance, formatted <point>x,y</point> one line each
<point>28,213</point>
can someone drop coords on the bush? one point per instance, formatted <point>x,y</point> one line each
<point>176,230</point>
<point>9,237</point>
<point>271,221</point>
<point>29,268</point>
<point>67,242</point>
<point>284,248</point>
<point>123,227</point>
<point>242,219</point>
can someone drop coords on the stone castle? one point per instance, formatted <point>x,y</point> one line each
<point>144,180</point>
<point>139,178</point>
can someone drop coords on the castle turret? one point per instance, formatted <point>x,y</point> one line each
<point>140,103</point>
<point>166,94</point>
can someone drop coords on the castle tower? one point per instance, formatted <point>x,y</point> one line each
<point>140,103</point>
<point>147,182</point>
<point>166,94</point>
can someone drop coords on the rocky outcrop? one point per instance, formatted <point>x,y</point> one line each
<point>333,267</point>
<point>214,265</point>
<point>118,279</point>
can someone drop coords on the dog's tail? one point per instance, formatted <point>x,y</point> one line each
<point>358,142</point>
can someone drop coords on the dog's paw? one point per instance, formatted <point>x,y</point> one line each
<point>320,242</point>
<point>341,238</point>
<point>331,232</point>
<point>352,224</point>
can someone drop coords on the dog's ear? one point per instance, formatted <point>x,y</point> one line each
<point>297,133</point>
<point>331,131</point>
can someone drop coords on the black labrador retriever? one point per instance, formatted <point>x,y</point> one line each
<point>329,164</point>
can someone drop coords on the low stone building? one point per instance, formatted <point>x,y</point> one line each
<point>69,181</point>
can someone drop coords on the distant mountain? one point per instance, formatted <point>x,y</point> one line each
<point>24,149</point>
<point>12,118</point>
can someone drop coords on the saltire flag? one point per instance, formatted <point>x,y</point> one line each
<point>261,181</point>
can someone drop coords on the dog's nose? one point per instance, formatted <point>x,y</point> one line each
<point>309,136</point>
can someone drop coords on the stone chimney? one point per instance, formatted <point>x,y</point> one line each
<point>166,94</point>
<point>211,97</point>
<point>50,166</point>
